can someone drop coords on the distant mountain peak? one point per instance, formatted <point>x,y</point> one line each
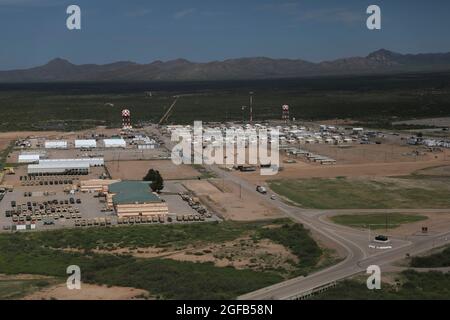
<point>377,62</point>
<point>179,61</point>
<point>59,62</point>
<point>383,53</point>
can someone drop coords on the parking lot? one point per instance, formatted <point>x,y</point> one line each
<point>44,201</point>
<point>49,209</point>
<point>44,207</point>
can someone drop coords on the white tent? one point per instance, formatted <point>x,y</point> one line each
<point>56,144</point>
<point>85,143</point>
<point>115,143</point>
<point>28,158</point>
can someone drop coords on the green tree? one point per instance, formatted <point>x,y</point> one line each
<point>150,176</point>
<point>158,184</point>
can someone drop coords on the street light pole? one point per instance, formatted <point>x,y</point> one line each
<point>251,106</point>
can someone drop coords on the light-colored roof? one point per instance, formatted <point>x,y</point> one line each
<point>85,143</point>
<point>89,161</point>
<point>56,142</point>
<point>60,165</point>
<point>118,141</point>
<point>29,156</point>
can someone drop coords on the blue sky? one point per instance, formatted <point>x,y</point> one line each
<point>34,31</point>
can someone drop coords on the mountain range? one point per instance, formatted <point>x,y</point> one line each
<point>378,62</point>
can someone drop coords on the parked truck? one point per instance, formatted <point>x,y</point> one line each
<point>261,189</point>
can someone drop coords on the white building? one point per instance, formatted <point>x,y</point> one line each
<point>358,130</point>
<point>146,146</point>
<point>93,162</point>
<point>85,143</point>
<point>56,144</point>
<point>115,143</point>
<point>28,158</point>
<point>63,166</point>
<point>67,167</point>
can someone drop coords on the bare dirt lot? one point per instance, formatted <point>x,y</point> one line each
<point>302,170</point>
<point>8,136</point>
<point>87,292</point>
<point>227,199</point>
<point>4,143</point>
<point>136,170</point>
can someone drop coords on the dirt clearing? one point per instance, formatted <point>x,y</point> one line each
<point>87,292</point>
<point>301,170</point>
<point>242,253</point>
<point>230,201</point>
<point>136,170</point>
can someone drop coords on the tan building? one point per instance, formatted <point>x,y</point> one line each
<point>96,185</point>
<point>135,198</point>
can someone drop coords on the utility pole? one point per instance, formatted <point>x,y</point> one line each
<point>242,109</point>
<point>386,221</point>
<point>223,181</point>
<point>251,106</point>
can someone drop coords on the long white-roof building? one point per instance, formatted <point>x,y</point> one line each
<point>115,143</point>
<point>91,143</point>
<point>28,158</point>
<point>93,162</point>
<point>56,144</point>
<point>64,166</point>
<point>73,167</point>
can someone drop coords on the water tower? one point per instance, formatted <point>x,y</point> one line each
<point>285,113</point>
<point>126,119</point>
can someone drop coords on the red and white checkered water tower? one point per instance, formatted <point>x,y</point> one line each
<point>126,119</point>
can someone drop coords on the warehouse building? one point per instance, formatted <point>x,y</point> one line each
<point>135,198</point>
<point>93,162</point>
<point>68,167</point>
<point>28,158</point>
<point>91,143</point>
<point>115,143</point>
<point>64,166</point>
<point>55,144</point>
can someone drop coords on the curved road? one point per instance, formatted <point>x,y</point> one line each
<point>355,243</point>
